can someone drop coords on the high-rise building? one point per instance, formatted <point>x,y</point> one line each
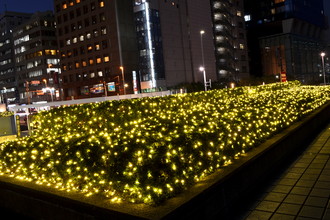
<point>171,46</point>
<point>97,44</point>
<point>120,46</point>
<point>8,83</point>
<point>285,38</point>
<point>37,59</point>
<point>230,39</point>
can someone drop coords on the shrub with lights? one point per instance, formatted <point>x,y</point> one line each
<point>147,150</point>
<point>6,114</point>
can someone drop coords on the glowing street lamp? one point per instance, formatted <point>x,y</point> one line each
<point>323,70</point>
<point>123,77</point>
<point>5,90</point>
<point>202,69</point>
<point>45,81</point>
<point>202,47</point>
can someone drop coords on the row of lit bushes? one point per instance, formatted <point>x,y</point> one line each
<point>147,150</point>
<point>6,114</point>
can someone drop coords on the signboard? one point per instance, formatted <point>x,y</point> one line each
<point>283,76</point>
<point>96,89</point>
<point>135,86</point>
<point>111,87</point>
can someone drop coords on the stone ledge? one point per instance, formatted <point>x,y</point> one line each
<point>204,200</point>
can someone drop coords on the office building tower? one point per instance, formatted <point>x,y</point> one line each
<point>230,40</point>
<point>118,47</point>
<point>97,44</point>
<point>8,84</point>
<point>37,59</point>
<point>285,38</point>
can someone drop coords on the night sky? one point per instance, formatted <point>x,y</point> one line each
<point>30,6</point>
<point>43,5</point>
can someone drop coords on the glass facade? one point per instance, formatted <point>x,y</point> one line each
<point>148,30</point>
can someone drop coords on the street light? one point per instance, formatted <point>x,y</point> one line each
<point>202,69</point>
<point>123,77</point>
<point>5,90</point>
<point>323,70</point>
<point>202,47</point>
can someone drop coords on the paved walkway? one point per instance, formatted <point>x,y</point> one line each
<point>300,191</point>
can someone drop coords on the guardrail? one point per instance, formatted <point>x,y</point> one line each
<point>90,100</point>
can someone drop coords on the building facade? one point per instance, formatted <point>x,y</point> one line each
<point>37,59</point>
<point>188,35</point>
<point>8,84</point>
<point>230,40</point>
<point>285,38</point>
<point>118,47</point>
<point>97,44</point>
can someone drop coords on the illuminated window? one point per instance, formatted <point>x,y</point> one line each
<point>98,60</point>
<point>103,30</point>
<point>88,35</point>
<point>101,3</point>
<point>97,46</point>
<point>82,38</point>
<point>74,40</point>
<point>241,46</point>
<point>89,48</point>
<point>96,33</point>
<point>64,6</point>
<point>77,1</point>
<point>68,42</point>
<point>50,52</point>
<point>100,73</point>
<point>77,65</point>
<point>239,13</point>
<point>279,1</point>
<point>84,63</point>
<point>91,61</point>
<point>71,3</point>
<point>247,17</point>
<point>92,75</point>
<point>106,59</point>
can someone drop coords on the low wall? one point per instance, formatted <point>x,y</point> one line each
<point>7,126</point>
<point>205,200</point>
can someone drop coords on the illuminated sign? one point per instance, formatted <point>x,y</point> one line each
<point>111,87</point>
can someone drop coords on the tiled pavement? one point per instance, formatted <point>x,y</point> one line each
<point>300,191</point>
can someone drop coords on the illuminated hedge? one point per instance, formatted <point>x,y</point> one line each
<point>6,114</point>
<point>147,150</point>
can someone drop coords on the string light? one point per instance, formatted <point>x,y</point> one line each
<point>147,150</point>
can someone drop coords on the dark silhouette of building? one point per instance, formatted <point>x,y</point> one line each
<point>8,84</point>
<point>285,38</point>
<point>230,39</point>
<point>37,64</point>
